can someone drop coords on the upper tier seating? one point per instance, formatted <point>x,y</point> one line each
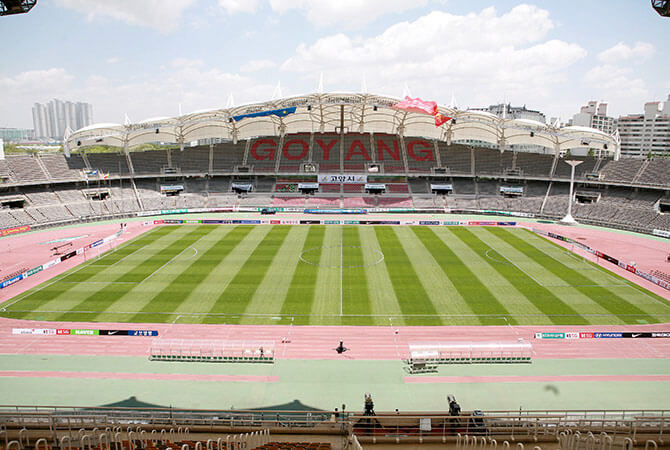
<point>357,152</point>
<point>151,161</point>
<point>488,161</point>
<point>61,168</point>
<point>623,170</point>
<point>563,169</point>
<point>534,164</point>
<point>25,169</point>
<point>294,152</point>
<point>263,154</point>
<point>456,157</point>
<point>227,156</point>
<point>657,172</point>
<point>192,159</point>
<point>420,155</point>
<point>326,152</point>
<point>112,163</point>
<point>388,152</point>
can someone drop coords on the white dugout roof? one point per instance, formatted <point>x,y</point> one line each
<point>366,113</point>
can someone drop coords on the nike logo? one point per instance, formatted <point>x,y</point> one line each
<point>112,332</point>
<point>636,334</point>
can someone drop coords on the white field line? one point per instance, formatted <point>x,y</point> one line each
<point>341,269</point>
<point>173,258</point>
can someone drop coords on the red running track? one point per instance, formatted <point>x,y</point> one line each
<point>319,342</point>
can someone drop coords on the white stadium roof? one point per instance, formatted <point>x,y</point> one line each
<point>328,112</point>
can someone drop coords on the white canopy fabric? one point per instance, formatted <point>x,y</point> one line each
<point>328,112</point>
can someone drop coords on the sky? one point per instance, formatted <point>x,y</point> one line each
<point>148,58</point>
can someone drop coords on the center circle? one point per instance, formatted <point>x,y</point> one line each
<point>340,264</point>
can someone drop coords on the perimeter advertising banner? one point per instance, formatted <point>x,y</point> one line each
<point>602,335</point>
<point>662,233</point>
<point>82,332</point>
<point>14,230</point>
<point>11,281</point>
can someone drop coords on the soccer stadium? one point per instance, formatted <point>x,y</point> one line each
<point>334,271</point>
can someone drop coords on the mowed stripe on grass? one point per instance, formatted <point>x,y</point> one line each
<point>624,310</point>
<point>549,304</point>
<point>239,292</point>
<point>99,300</point>
<point>480,299</point>
<point>412,297</point>
<point>355,296</point>
<point>300,296</point>
<point>171,297</point>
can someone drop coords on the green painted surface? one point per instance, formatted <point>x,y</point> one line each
<point>327,384</point>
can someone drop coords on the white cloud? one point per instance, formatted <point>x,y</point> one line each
<point>482,56</point>
<point>257,64</point>
<point>113,60</point>
<point>239,6</point>
<point>162,15</point>
<point>186,62</point>
<point>618,86</point>
<point>38,84</point>
<point>182,81</point>
<point>352,13</point>
<point>623,52</point>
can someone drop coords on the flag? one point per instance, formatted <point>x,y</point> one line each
<point>105,176</point>
<point>417,105</point>
<point>275,112</point>
<point>440,119</point>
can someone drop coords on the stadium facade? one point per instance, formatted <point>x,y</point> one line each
<point>281,154</point>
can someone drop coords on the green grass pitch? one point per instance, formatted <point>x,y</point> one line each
<point>340,275</point>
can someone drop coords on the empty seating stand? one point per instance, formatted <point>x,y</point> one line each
<point>534,164</point>
<point>389,153</point>
<point>263,154</point>
<point>294,152</point>
<point>25,169</point>
<point>326,152</point>
<point>149,162</point>
<point>61,168</point>
<point>191,160</point>
<point>112,163</point>
<point>456,158</point>
<point>227,156</point>
<point>357,152</point>
<point>420,155</point>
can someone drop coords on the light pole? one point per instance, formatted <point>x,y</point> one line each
<point>568,219</point>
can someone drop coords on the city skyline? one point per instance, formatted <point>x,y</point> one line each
<point>151,60</point>
<point>52,119</point>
